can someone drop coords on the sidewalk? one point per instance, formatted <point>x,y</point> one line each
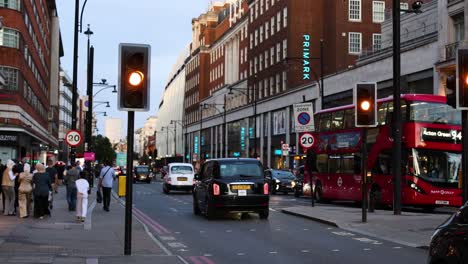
<point>60,239</point>
<point>410,229</point>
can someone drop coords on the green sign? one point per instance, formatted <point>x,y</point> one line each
<point>121,159</point>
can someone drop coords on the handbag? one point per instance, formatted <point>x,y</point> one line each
<point>98,193</point>
<point>98,196</point>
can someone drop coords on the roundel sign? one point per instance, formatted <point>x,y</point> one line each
<point>307,140</point>
<point>73,138</point>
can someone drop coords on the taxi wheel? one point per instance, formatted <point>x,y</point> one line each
<point>264,214</point>
<point>165,189</point>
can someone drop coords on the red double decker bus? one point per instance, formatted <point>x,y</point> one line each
<point>431,144</point>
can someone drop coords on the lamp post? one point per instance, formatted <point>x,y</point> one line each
<point>175,134</point>
<point>241,90</point>
<point>200,139</point>
<point>224,116</point>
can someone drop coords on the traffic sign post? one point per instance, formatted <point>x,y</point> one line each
<point>73,138</point>
<point>304,117</point>
<point>307,140</point>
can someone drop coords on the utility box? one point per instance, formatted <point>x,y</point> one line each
<point>122,184</point>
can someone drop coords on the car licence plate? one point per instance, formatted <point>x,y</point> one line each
<point>242,192</point>
<point>442,202</point>
<point>181,178</point>
<point>240,187</point>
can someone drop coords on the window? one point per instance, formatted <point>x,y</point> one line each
<point>267,29</point>
<point>459,25</point>
<point>322,163</point>
<point>354,10</point>
<point>285,48</point>
<point>285,17</point>
<point>404,6</point>
<point>278,21</point>
<point>278,83</point>
<point>278,52</point>
<point>267,3</point>
<point>337,120</point>
<point>260,89</point>
<point>355,44</point>
<point>378,11</point>
<point>261,62</point>
<point>242,56</point>
<point>377,42</point>
<point>272,55</point>
<point>265,90</point>
<point>256,38</point>
<point>11,78</point>
<point>12,4</point>
<point>251,40</point>
<point>325,122</point>
<point>9,38</point>
<point>256,10</point>
<point>261,34</point>
<point>334,164</point>
<point>284,81</point>
<point>272,85</point>
<point>261,7</point>
<point>266,58</point>
<point>272,22</point>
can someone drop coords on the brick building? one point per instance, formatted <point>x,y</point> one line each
<point>30,49</point>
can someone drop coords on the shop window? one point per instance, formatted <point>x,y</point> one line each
<point>337,120</point>
<point>322,163</point>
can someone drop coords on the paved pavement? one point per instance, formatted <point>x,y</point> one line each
<point>60,239</point>
<point>410,229</point>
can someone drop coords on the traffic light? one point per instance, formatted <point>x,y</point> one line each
<point>365,103</point>
<point>462,84</point>
<point>134,77</point>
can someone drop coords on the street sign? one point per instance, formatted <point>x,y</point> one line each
<point>304,117</point>
<point>307,140</point>
<point>285,147</point>
<point>89,156</point>
<point>73,138</point>
<point>121,159</point>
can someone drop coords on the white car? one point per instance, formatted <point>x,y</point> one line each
<point>179,176</point>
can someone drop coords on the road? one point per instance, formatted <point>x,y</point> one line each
<point>233,239</point>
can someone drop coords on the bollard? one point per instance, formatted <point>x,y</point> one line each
<point>122,190</point>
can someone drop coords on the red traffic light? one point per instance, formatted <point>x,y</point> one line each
<point>365,101</point>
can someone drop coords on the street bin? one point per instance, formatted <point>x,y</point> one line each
<point>122,182</point>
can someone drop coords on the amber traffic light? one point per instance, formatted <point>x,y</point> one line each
<point>365,101</point>
<point>134,85</point>
<point>462,85</point>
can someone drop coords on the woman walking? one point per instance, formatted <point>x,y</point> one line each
<point>42,187</point>
<point>25,190</point>
<point>8,187</point>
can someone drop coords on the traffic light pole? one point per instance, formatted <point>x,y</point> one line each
<point>75,77</point>
<point>397,126</point>
<point>129,185</point>
<point>364,175</point>
<point>464,179</point>
<point>89,114</point>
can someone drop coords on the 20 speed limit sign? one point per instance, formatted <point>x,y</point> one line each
<point>306,140</point>
<point>73,138</point>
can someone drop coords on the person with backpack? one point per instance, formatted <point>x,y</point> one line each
<point>70,181</point>
<point>106,181</point>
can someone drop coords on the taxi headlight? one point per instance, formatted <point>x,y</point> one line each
<point>293,183</point>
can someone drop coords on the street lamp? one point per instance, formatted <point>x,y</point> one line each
<point>242,90</point>
<point>108,86</point>
<point>205,106</point>
<point>98,103</point>
<point>104,113</point>
<point>175,122</point>
<point>397,119</point>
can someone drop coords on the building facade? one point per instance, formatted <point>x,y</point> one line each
<point>169,141</point>
<point>65,114</point>
<point>30,49</point>
<point>113,130</point>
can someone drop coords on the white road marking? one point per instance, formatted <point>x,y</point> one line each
<point>396,247</point>
<point>367,249</point>
<point>240,254</point>
<point>207,255</point>
<point>228,231</point>
<point>273,252</point>
<point>176,232</point>
<point>305,251</point>
<point>335,250</point>
<point>377,243</point>
<point>365,240</point>
<point>341,233</point>
<point>174,210</point>
<point>278,229</point>
<point>329,228</point>
<point>201,231</point>
<point>305,229</point>
<point>167,238</point>
<point>271,209</point>
<point>183,250</point>
<point>176,245</point>
<point>252,230</point>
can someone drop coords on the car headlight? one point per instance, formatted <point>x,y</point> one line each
<point>277,181</point>
<point>293,183</point>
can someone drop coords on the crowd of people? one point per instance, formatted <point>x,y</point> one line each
<point>29,190</point>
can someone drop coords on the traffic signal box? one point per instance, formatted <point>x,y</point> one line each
<point>462,84</point>
<point>365,104</point>
<point>134,77</point>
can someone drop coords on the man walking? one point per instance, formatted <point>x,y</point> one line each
<point>53,179</point>
<point>70,181</point>
<point>106,180</point>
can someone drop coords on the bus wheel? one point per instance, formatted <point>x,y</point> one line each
<point>375,197</point>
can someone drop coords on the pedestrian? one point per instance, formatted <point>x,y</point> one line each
<point>25,190</point>
<point>106,181</point>
<point>53,179</point>
<point>17,169</point>
<point>8,184</point>
<point>42,188</point>
<point>2,169</point>
<point>70,181</point>
<point>82,187</point>
<point>60,169</point>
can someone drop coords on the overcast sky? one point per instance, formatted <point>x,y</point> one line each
<point>165,25</point>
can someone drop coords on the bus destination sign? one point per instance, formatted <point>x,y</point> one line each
<point>441,135</point>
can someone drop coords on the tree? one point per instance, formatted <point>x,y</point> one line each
<point>103,149</point>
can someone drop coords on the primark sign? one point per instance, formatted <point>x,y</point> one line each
<point>306,57</point>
